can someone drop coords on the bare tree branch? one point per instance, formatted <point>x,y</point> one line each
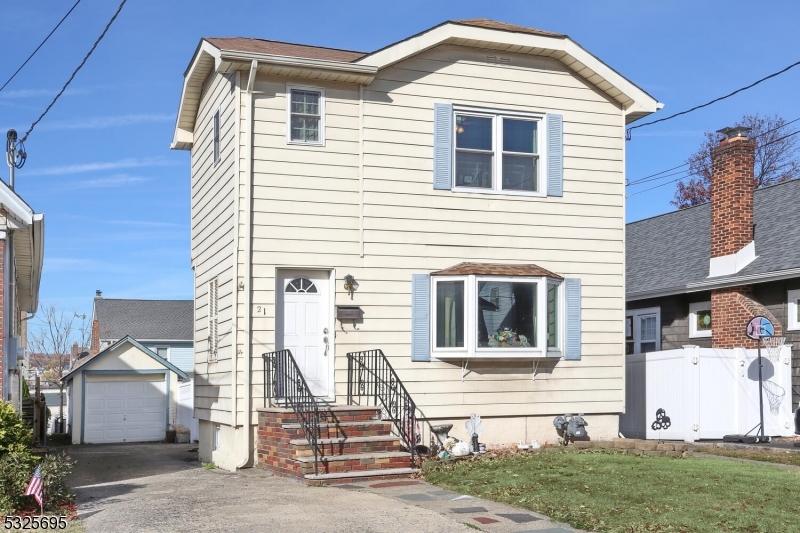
<point>776,159</point>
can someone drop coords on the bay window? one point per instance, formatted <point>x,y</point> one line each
<point>496,317</point>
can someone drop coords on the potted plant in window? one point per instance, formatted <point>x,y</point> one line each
<point>506,338</point>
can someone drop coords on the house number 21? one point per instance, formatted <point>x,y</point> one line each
<point>261,310</point>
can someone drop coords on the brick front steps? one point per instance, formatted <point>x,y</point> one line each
<point>353,443</point>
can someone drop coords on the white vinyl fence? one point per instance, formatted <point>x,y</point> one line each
<point>705,393</point>
<point>186,409</point>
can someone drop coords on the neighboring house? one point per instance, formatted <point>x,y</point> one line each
<point>22,251</point>
<point>125,393</point>
<point>465,180</point>
<point>163,326</point>
<point>696,276</point>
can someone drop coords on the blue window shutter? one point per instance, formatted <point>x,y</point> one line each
<point>555,155</point>
<point>442,146</point>
<point>420,323</point>
<point>572,292</point>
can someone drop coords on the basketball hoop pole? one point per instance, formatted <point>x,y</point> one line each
<point>760,391</point>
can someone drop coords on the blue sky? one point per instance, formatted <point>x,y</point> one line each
<point>116,199</point>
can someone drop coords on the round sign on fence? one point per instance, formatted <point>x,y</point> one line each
<point>760,326</point>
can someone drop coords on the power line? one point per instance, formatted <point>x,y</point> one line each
<point>40,45</point>
<point>781,138</point>
<point>64,88</point>
<point>646,178</point>
<point>682,177</point>
<point>658,175</point>
<point>712,101</point>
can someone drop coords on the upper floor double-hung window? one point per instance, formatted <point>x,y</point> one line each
<point>501,152</point>
<point>497,153</point>
<point>306,115</point>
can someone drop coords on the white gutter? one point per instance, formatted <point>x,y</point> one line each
<point>364,71</point>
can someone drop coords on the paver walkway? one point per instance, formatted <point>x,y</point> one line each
<point>488,515</point>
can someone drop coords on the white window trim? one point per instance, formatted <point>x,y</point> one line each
<point>636,325</point>
<point>321,91</point>
<point>497,144</point>
<point>471,349</point>
<point>159,347</point>
<point>792,297</point>
<point>216,135</point>
<point>693,309</point>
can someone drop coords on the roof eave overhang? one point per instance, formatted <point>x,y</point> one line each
<point>208,59</point>
<point>707,285</point>
<point>30,280</point>
<point>28,231</point>
<point>633,100</point>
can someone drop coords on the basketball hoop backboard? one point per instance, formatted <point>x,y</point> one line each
<point>759,327</point>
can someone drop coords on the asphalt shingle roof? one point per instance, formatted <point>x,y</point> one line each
<point>145,319</point>
<point>669,251</point>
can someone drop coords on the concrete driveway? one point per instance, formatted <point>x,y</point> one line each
<point>162,487</point>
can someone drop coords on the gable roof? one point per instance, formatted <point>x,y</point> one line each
<point>263,46</point>
<point>88,361</point>
<point>147,320</point>
<point>232,54</point>
<point>670,253</point>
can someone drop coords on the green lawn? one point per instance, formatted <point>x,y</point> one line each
<point>607,491</point>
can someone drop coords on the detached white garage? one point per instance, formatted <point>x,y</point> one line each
<point>126,393</point>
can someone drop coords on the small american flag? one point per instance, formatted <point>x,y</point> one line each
<point>35,486</point>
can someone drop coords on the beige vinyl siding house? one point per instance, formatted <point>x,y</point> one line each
<point>360,199</point>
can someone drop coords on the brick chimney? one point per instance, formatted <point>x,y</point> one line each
<point>732,185</point>
<point>94,347</point>
<point>75,350</point>
<point>732,238</point>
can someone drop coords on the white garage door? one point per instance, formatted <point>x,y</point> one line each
<point>125,411</point>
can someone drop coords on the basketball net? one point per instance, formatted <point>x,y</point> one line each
<point>774,345</point>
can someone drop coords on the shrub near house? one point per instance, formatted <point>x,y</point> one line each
<point>17,463</point>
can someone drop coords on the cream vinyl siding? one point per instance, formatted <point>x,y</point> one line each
<point>212,233</point>
<point>308,213</point>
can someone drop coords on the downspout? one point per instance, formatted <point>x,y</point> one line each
<point>624,268</point>
<point>235,319</point>
<point>361,169</point>
<point>248,268</point>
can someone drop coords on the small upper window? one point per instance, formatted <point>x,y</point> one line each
<point>216,137</point>
<point>496,153</point>
<point>162,352</point>
<point>301,285</point>
<point>306,115</point>
<point>700,319</point>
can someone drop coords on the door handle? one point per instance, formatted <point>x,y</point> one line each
<point>325,340</point>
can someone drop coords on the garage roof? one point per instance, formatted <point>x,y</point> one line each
<point>83,364</point>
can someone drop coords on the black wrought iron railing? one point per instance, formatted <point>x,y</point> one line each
<point>371,379</point>
<point>284,385</point>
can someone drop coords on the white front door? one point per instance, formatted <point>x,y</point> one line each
<point>305,296</point>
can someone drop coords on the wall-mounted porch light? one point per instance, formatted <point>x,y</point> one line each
<point>350,285</point>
